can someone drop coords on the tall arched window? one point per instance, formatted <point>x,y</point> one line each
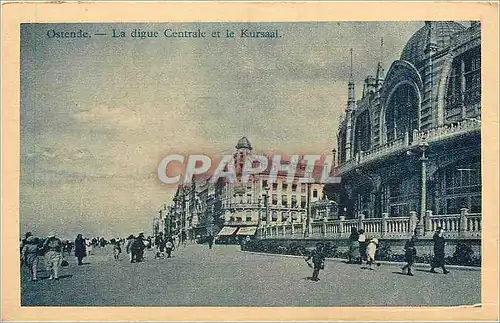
<point>362,136</point>
<point>342,151</point>
<point>402,112</point>
<point>463,94</point>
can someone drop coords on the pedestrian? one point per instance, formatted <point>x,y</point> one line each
<point>137,248</point>
<point>80,249</point>
<point>318,259</point>
<point>128,246</point>
<point>362,245</point>
<point>160,245</point>
<point>183,238</point>
<point>117,250</point>
<point>30,255</point>
<point>439,244</point>
<point>410,253</point>
<point>23,242</point>
<point>371,249</point>
<point>169,246</point>
<point>353,255</point>
<point>53,255</point>
<point>210,240</point>
<point>69,247</point>
<point>90,246</point>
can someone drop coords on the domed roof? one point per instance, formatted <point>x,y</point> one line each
<point>243,143</point>
<point>439,31</point>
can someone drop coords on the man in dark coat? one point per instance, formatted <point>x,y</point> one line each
<point>80,249</point>
<point>439,243</point>
<point>210,240</point>
<point>410,253</point>
<point>138,247</point>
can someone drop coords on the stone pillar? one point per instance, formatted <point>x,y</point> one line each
<point>462,229</point>
<point>284,229</point>
<point>428,222</point>
<point>385,216</point>
<point>413,223</point>
<point>293,229</point>
<point>361,217</point>
<point>324,227</point>
<point>303,228</point>
<point>341,224</point>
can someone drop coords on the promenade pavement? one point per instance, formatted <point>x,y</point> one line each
<point>225,276</point>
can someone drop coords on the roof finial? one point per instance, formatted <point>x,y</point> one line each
<point>380,70</point>
<point>350,70</point>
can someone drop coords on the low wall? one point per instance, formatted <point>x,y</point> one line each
<point>423,246</point>
<point>388,249</point>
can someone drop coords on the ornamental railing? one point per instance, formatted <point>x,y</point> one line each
<point>404,143</point>
<point>462,226</point>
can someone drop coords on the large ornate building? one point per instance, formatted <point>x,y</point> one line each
<point>416,126</point>
<point>236,209</point>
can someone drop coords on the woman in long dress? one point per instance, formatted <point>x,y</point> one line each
<point>354,255</point>
<point>30,254</point>
<point>53,255</point>
<point>80,249</point>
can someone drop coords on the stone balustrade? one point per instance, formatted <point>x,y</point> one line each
<point>403,143</point>
<point>463,225</point>
<point>447,130</point>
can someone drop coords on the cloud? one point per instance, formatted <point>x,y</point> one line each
<point>116,117</point>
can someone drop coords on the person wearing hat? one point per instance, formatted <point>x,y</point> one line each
<point>137,248</point>
<point>53,255</point>
<point>371,249</point>
<point>354,256</point>
<point>128,246</point>
<point>30,254</point>
<point>80,249</point>
<point>318,259</point>
<point>439,244</point>
<point>410,253</point>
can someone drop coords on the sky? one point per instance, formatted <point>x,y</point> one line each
<point>98,114</point>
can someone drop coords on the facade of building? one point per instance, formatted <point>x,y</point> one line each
<point>409,157</point>
<point>413,140</point>
<point>230,210</point>
<point>262,202</point>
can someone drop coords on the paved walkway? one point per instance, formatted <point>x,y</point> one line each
<point>224,276</point>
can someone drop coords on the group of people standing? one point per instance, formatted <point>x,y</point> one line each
<point>362,250</point>
<point>50,249</point>
<point>164,245</point>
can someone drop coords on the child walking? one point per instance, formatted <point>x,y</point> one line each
<point>318,259</point>
<point>410,253</point>
<point>371,249</point>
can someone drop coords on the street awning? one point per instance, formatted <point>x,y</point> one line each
<point>227,231</point>
<point>246,231</point>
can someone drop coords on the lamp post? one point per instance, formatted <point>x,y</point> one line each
<point>308,214</point>
<point>423,145</point>
<point>266,205</point>
<point>334,153</point>
<point>259,220</point>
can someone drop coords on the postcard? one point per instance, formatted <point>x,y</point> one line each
<point>250,161</point>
